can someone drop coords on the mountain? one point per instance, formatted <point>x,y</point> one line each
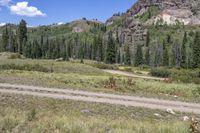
<point>135,23</point>
<point>151,26</point>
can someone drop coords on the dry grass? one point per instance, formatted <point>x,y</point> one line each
<point>35,115</point>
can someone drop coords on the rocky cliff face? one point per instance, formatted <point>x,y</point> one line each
<point>133,29</point>
<point>143,13</point>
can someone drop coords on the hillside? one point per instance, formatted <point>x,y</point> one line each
<point>149,24</point>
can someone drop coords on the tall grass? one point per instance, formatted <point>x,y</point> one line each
<point>67,117</point>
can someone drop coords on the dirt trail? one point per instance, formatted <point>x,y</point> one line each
<point>100,98</point>
<point>133,75</point>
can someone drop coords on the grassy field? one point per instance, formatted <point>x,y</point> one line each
<point>23,114</point>
<point>73,75</point>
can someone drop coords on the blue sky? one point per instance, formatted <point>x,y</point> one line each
<point>41,12</point>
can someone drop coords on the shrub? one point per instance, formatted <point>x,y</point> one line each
<point>128,69</point>
<point>26,67</point>
<point>15,56</point>
<point>160,72</point>
<point>111,83</point>
<point>104,66</point>
<point>31,115</point>
<point>186,76</point>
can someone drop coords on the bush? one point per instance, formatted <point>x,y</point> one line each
<point>186,76</point>
<point>111,83</point>
<point>104,66</point>
<point>15,56</point>
<point>128,69</point>
<point>31,115</point>
<point>160,72</point>
<point>26,67</point>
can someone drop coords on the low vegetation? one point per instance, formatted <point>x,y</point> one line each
<point>76,75</point>
<point>28,114</point>
<point>164,73</point>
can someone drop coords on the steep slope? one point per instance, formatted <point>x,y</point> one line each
<point>155,19</point>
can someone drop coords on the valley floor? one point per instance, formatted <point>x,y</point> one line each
<point>88,99</point>
<point>26,114</point>
<point>105,98</point>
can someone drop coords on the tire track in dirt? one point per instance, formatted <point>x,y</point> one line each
<point>104,98</point>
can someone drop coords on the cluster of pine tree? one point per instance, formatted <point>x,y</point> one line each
<point>170,53</point>
<point>103,48</point>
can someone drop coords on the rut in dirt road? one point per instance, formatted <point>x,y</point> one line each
<point>67,94</point>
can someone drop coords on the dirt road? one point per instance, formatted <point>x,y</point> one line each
<point>133,75</point>
<point>104,98</point>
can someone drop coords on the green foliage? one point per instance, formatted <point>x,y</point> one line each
<point>31,115</point>
<point>15,56</point>
<point>22,36</point>
<point>147,57</point>
<point>111,50</point>
<point>152,11</point>
<point>183,51</point>
<point>160,72</point>
<point>104,66</point>
<point>196,50</point>
<point>139,56</point>
<point>127,55</point>
<point>5,39</point>
<point>165,55</point>
<point>185,76</point>
<point>26,67</point>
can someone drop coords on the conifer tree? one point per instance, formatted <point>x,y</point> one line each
<point>196,50</point>
<point>127,55</point>
<point>5,38</point>
<point>147,57</point>
<point>165,55</point>
<point>139,56</point>
<point>110,51</point>
<point>22,35</point>
<point>183,51</point>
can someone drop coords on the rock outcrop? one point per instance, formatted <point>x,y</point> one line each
<point>133,30</point>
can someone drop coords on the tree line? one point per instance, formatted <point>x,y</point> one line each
<point>104,47</point>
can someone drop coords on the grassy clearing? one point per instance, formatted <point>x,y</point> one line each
<point>56,67</point>
<point>100,83</point>
<point>74,75</point>
<point>28,114</point>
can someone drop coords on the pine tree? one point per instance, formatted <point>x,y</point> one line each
<point>5,39</point>
<point>22,35</point>
<point>65,51</point>
<point>147,39</point>
<point>196,50</point>
<point>110,51</point>
<point>82,54</point>
<point>147,57</point>
<point>159,54</point>
<point>127,55</point>
<point>100,48</point>
<point>183,51</point>
<point>139,56</point>
<point>177,53</point>
<point>95,48</point>
<point>165,55</point>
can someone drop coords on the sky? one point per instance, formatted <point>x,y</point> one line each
<point>44,12</point>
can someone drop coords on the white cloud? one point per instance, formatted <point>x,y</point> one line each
<point>4,2</point>
<point>2,24</point>
<point>60,23</point>
<point>22,9</point>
